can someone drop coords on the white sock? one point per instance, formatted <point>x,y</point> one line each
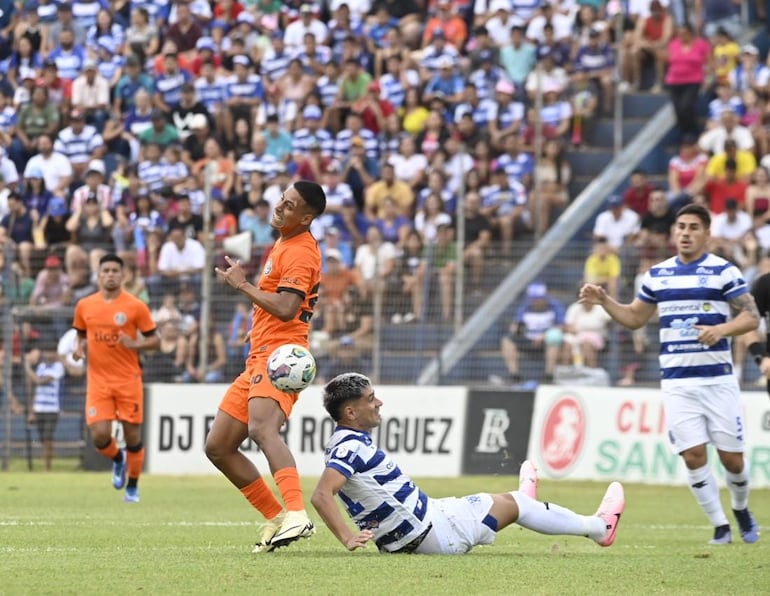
<point>738,485</point>
<point>549,518</point>
<point>704,487</point>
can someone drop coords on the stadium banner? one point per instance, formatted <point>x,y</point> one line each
<point>597,433</point>
<point>422,427</point>
<point>497,431</point>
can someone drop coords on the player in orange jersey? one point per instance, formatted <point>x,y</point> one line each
<point>283,302</point>
<point>108,324</point>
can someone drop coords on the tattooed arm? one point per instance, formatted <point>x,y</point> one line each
<point>745,318</point>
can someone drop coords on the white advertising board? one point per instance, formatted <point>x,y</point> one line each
<point>422,428</point>
<point>602,433</point>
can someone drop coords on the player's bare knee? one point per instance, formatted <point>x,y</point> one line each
<point>695,457</point>
<point>732,462</point>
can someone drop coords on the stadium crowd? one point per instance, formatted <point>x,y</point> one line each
<point>118,119</point>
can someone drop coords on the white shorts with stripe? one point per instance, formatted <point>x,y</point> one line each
<point>458,525</point>
<point>701,414</point>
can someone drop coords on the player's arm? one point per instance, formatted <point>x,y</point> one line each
<point>149,341</point>
<point>632,315</point>
<point>323,500</point>
<point>745,319</point>
<point>79,352</point>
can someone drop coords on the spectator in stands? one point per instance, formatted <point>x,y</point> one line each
<point>392,224</point>
<point>389,186</point>
<point>80,282</point>
<point>757,197</point>
<point>409,18</point>
<point>181,261</point>
<point>713,141</point>
<point>37,118</point>
<point>80,143</point>
<point>618,224</point>
<point>637,195</point>
<point>52,224</point>
<point>446,85</point>
<point>603,266</point>
<point>552,177</point>
<point>344,355</point>
<point>336,282</point>
<point>686,173</point>
<point>91,227</point>
<point>216,359</point>
<point>43,369</point>
<point>744,160</point>
<point>160,133</point>
<point>655,228</point>
<point>375,263</point>
<point>91,94</point>
<point>728,232</point>
<point>94,186</point>
<point>256,220</point>
<point>586,328</point>
<point>133,282</point>
<point>688,63</point>
<point>749,73</point>
<point>537,329</point>
<point>430,216</point>
<point>142,36</point>
<point>220,168</point>
<point>648,43</point>
<point>17,226</point>
<point>546,75</point>
<point>441,259</point>
<point>596,60</point>
<point>167,363</point>
<point>359,170</point>
<point>504,203</point>
<point>726,99</point>
<point>50,284</point>
<point>190,222</point>
<point>185,32</point>
<point>718,190</point>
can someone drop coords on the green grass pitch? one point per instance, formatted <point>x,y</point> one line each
<point>70,533</point>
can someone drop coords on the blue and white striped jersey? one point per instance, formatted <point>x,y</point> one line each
<point>48,395</point>
<point>692,294</point>
<point>378,496</point>
<point>78,147</point>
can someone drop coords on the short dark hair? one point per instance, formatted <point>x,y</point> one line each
<point>698,211</point>
<point>342,389</point>
<point>111,258</point>
<point>313,195</point>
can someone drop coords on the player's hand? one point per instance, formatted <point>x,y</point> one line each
<point>359,540</point>
<point>80,352</point>
<point>127,341</point>
<point>233,275</point>
<point>592,294</point>
<point>709,335</point>
<point>764,366</point>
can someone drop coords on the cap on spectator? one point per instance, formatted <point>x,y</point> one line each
<point>750,48</point>
<point>77,115</point>
<point>357,142</point>
<point>496,5</point>
<point>277,34</point>
<point>242,60</point>
<point>332,231</point>
<point>52,262</point>
<point>614,201</point>
<point>28,75</point>
<point>35,172</point>
<point>199,122</point>
<point>438,33</point>
<point>57,207</point>
<point>97,166</point>
<point>246,17</point>
<point>31,6</point>
<point>334,253</point>
<point>731,204</point>
<point>311,112</point>
<point>89,64</point>
<point>218,24</point>
<point>505,87</point>
<point>205,43</point>
<point>486,55</point>
<point>537,289</point>
<point>66,6</point>
<point>374,86</point>
<point>157,114</point>
<point>594,33</point>
<point>445,62</point>
<point>132,60</point>
<point>306,8</point>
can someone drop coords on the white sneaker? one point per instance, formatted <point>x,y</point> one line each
<point>269,529</point>
<point>528,479</point>
<point>295,525</point>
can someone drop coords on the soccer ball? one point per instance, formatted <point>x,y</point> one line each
<point>291,368</point>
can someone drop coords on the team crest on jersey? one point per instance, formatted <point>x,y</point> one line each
<point>268,267</point>
<point>706,306</point>
<point>120,318</point>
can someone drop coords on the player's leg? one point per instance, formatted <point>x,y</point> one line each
<point>726,430</point>
<point>129,400</point>
<point>227,433</point>
<point>688,433</point>
<point>523,508</point>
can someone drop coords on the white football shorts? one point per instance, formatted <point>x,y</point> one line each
<point>701,414</point>
<point>458,525</point>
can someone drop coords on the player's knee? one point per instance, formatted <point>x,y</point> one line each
<point>213,451</point>
<point>259,432</point>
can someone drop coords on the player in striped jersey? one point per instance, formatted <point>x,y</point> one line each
<point>391,510</point>
<point>702,301</point>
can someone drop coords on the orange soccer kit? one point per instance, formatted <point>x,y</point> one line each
<point>114,378</point>
<point>294,266</point>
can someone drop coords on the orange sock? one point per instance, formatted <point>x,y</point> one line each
<point>287,480</point>
<point>111,450</point>
<point>134,462</point>
<point>260,496</point>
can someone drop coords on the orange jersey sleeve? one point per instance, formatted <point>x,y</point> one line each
<point>103,322</point>
<point>294,265</point>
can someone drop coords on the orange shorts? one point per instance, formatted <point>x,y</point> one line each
<point>253,383</point>
<point>116,401</point>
